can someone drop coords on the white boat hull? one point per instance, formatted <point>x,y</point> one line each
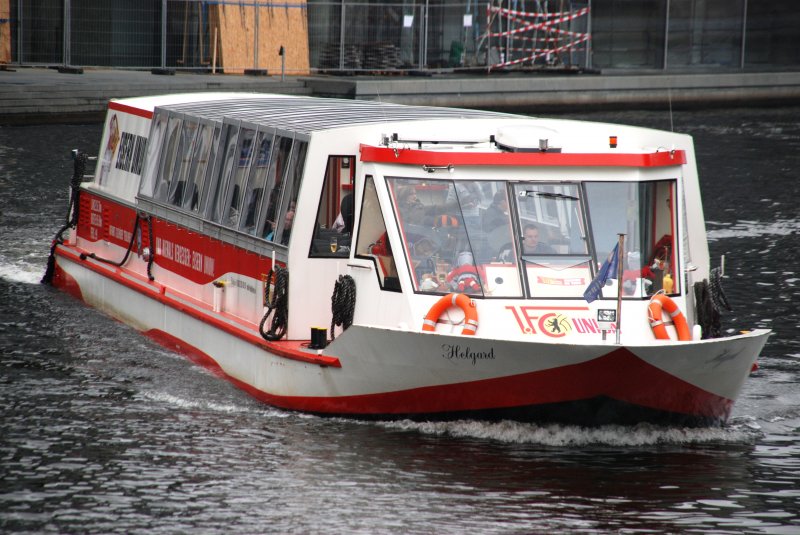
<point>371,372</point>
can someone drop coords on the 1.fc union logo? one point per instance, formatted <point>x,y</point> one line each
<point>556,325</point>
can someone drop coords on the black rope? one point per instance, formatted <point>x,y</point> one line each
<point>343,303</point>
<point>710,299</point>
<point>127,252</point>
<point>73,212</point>
<point>717,293</point>
<point>152,255</point>
<point>277,304</point>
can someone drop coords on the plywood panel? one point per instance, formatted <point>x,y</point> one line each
<point>285,26</point>
<point>5,31</point>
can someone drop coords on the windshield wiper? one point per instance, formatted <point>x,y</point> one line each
<point>548,195</point>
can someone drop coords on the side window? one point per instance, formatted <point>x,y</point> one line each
<point>197,168</point>
<point>255,186</point>
<point>238,182</point>
<point>153,153</point>
<point>336,210</point>
<point>216,207</point>
<point>373,242</point>
<point>208,172</point>
<point>281,150</point>
<point>177,184</point>
<point>646,214</point>
<point>168,156</point>
<point>291,187</point>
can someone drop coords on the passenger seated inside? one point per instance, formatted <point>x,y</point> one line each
<point>530,245</point>
<point>530,241</point>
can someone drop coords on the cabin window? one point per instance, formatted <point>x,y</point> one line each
<point>241,168</point>
<point>454,235</point>
<point>645,212</point>
<point>551,240</point>
<point>177,184</point>
<point>336,210</point>
<point>292,179</point>
<point>195,175</point>
<point>281,149</point>
<point>168,157</point>
<point>230,157</point>
<point>254,193</point>
<point>373,241</point>
<point>208,172</point>
<point>152,155</point>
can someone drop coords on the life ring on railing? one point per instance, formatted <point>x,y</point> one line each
<point>450,300</point>
<point>657,303</point>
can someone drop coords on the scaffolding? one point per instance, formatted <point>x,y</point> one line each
<point>550,34</point>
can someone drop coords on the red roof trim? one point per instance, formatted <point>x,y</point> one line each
<point>557,159</point>
<point>118,106</point>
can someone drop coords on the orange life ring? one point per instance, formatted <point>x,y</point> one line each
<point>661,301</point>
<point>450,300</point>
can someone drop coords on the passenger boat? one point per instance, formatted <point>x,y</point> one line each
<point>370,260</point>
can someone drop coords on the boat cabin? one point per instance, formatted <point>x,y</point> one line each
<point>413,202</point>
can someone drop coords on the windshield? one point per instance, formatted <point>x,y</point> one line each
<point>524,239</point>
<point>645,213</point>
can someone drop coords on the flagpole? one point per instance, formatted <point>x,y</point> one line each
<point>620,249</point>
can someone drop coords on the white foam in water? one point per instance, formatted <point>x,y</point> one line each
<point>753,229</point>
<point>182,403</point>
<point>22,271</point>
<point>567,435</point>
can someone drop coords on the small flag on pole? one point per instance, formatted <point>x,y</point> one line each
<point>607,271</point>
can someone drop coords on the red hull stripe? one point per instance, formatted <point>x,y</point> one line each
<point>289,349</point>
<point>619,375</point>
<point>555,159</point>
<point>118,106</point>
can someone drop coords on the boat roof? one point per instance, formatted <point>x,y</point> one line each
<point>307,115</point>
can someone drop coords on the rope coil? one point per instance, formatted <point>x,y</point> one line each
<point>343,303</point>
<point>277,304</point>
<point>710,300</point>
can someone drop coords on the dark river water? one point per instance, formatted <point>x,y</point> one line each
<point>103,431</point>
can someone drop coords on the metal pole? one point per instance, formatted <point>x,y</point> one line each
<point>65,41</point>
<point>744,32</point>
<point>587,61</point>
<point>425,35</point>
<point>163,34</point>
<point>341,37</point>
<point>620,253</point>
<point>20,29</point>
<point>666,37</point>
<point>255,38</point>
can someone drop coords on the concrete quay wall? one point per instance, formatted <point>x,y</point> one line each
<point>29,95</point>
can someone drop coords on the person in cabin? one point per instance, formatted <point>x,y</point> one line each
<point>531,243</point>
<point>409,206</point>
<point>344,221</point>
<point>497,212</point>
<point>288,221</point>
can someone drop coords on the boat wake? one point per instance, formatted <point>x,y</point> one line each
<point>743,431</point>
<point>211,406</point>
<point>21,270</point>
<point>752,229</point>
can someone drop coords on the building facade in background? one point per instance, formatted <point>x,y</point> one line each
<point>348,36</point>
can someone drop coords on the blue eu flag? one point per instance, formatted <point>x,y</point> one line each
<point>607,271</point>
